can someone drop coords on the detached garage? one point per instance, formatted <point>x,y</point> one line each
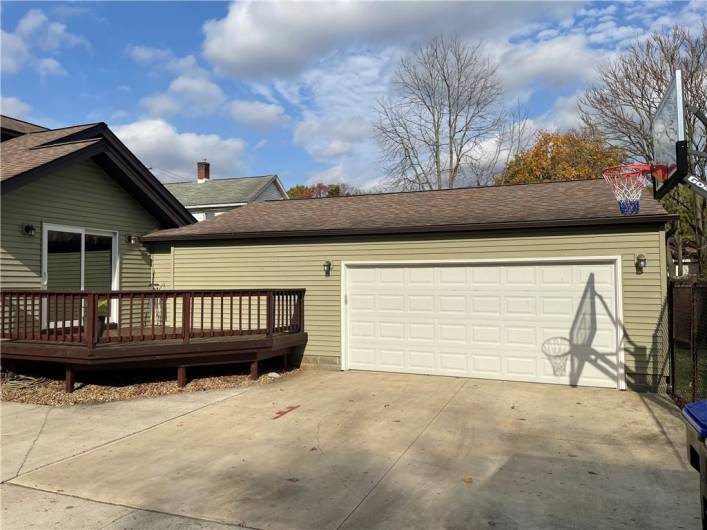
<point>539,283</point>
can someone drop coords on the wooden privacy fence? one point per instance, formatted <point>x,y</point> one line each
<point>92,318</point>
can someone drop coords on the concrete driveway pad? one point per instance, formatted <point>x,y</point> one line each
<point>369,450</point>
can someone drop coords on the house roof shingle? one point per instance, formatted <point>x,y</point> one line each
<point>19,126</point>
<point>35,149</point>
<point>35,154</point>
<point>220,191</point>
<point>571,203</point>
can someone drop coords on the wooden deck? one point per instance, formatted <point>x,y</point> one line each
<point>154,329</point>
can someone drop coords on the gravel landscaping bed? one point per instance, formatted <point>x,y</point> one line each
<point>48,389</point>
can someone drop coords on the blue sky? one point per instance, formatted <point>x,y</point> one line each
<point>289,88</point>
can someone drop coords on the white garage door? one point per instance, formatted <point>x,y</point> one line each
<point>541,322</point>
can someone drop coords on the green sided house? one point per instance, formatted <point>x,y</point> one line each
<point>103,268</point>
<point>541,283</point>
<point>75,205</point>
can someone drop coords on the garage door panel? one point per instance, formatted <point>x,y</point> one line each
<point>521,366</point>
<point>556,306</point>
<point>362,302</point>
<point>391,358</point>
<point>421,303</point>
<point>455,304</point>
<point>453,362</point>
<point>485,305</point>
<point>493,321</point>
<point>451,276</point>
<point>486,335</point>
<point>485,276</point>
<point>519,306</point>
<point>487,364</point>
<point>421,331</point>
<point>557,276</point>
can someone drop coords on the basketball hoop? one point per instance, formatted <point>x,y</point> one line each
<point>627,182</point>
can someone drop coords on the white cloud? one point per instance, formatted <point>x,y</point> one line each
<point>49,66</point>
<point>563,60</point>
<point>15,53</point>
<point>257,115</point>
<point>12,106</point>
<point>159,145</point>
<point>561,117</point>
<point>36,33</point>
<point>261,39</point>
<point>164,59</point>
<point>148,54</point>
<point>192,93</point>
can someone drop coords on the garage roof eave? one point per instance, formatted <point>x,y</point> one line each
<point>546,223</point>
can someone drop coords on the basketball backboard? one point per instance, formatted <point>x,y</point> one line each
<point>669,164</point>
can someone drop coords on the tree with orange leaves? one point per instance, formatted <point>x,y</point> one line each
<point>572,155</point>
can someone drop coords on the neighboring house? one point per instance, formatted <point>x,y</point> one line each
<point>75,205</point>
<point>540,283</point>
<point>206,198</point>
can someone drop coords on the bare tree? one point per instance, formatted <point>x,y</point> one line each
<point>622,104</point>
<point>443,115</point>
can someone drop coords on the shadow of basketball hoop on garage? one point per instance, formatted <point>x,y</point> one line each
<point>577,350</point>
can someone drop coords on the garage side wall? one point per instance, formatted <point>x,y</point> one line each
<point>297,263</point>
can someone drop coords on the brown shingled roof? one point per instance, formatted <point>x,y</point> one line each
<point>19,126</point>
<point>32,150</point>
<point>573,203</point>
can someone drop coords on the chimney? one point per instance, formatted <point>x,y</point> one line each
<point>202,171</point>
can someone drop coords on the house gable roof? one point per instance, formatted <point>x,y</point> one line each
<point>222,191</point>
<point>12,127</point>
<point>36,154</point>
<point>557,204</point>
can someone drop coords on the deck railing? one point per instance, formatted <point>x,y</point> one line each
<point>124,316</point>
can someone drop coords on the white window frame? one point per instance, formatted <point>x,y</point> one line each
<point>115,258</point>
<point>612,260</point>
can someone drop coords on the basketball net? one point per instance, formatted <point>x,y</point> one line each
<point>627,182</point>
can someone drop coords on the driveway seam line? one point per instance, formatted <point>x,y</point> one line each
<point>133,508</point>
<point>31,447</point>
<point>115,440</point>
<point>395,463</point>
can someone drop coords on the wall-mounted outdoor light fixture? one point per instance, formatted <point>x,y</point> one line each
<point>132,239</point>
<point>29,230</point>
<point>641,262</point>
<point>327,268</point>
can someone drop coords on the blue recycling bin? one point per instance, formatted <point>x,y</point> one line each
<point>695,415</point>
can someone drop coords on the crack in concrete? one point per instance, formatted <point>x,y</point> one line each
<point>395,463</point>
<point>133,509</point>
<point>31,447</point>
<point>115,440</point>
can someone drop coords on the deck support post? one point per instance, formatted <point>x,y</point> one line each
<point>69,379</point>
<point>181,376</point>
<point>254,369</point>
<point>284,361</point>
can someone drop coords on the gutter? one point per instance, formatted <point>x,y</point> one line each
<point>556,223</point>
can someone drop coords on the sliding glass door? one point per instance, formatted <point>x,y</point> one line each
<point>77,259</point>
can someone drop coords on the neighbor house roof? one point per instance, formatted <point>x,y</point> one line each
<point>557,204</point>
<point>12,127</point>
<point>222,191</point>
<point>36,154</point>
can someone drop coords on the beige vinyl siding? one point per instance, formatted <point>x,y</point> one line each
<point>82,195</point>
<point>297,263</point>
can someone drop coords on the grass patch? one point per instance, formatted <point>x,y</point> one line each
<point>684,375</point>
